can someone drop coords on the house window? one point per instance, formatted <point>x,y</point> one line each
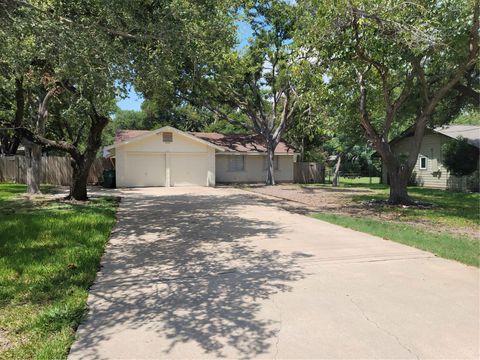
<point>167,137</point>
<point>236,163</point>
<point>423,163</point>
<point>275,162</point>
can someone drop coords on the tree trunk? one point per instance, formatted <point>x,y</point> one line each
<point>398,187</point>
<point>336,174</point>
<point>81,163</point>
<point>78,188</point>
<point>33,158</point>
<point>270,164</point>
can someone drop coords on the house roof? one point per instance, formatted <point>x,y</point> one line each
<point>469,132</point>
<point>241,143</point>
<point>123,137</point>
<point>228,143</point>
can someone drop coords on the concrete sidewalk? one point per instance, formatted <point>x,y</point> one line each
<point>211,273</point>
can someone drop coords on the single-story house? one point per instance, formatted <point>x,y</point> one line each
<point>429,170</point>
<point>171,157</point>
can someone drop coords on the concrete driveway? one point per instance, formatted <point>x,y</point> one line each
<point>211,273</point>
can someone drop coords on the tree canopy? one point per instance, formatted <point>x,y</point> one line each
<point>349,72</point>
<point>390,66</point>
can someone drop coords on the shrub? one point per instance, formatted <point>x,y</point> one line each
<point>473,181</point>
<point>459,157</point>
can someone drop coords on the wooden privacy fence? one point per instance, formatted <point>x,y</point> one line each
<point>308,172</point>
<point>56,170</point>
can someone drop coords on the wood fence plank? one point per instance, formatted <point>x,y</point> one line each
<point>308,172</point>
<point>56,170</point>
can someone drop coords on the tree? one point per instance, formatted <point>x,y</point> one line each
<point>399,62</point>
<point>88,59</point>
<point>459,157</point>
<point>68,69</point>
<point>254,89</point>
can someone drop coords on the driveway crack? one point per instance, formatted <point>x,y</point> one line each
<point>277,335</point>
<point>382,329</point>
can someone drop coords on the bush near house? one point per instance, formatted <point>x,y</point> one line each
<point>459,157</point>
<point>49,255</point>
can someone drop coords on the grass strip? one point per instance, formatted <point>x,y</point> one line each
<point>462,249</point>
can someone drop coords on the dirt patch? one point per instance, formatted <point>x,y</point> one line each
<point>5,343</point>
<point>320,199</point>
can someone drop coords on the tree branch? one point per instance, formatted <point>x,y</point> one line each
<point>397,104</point>
<point>46,143</point>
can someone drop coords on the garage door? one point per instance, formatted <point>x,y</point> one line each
<point>188,169</point>
<point>145,169</point>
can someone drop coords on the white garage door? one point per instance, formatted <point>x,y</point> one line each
<point>188,169</point>
<point>144,169</point>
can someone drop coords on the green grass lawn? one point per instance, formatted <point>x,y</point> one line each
<point>49,255</point>
<point>452,213</point>
<point>450,208</point>
<point>456,209</point>
<point>361,182</point>
<point>458,248</point>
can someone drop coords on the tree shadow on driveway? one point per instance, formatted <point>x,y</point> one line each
<point>189,268</point>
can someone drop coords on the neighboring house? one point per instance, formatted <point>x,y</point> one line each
<point>429,170</point>
<point>170,157</point>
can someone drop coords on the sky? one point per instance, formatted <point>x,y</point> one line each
<point>134,100</point>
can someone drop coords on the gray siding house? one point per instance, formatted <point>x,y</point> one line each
<point>429,170</point>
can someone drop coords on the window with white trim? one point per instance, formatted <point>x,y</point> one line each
<point>236,163</point>
<point>423,162</point>
<point>275,162</point>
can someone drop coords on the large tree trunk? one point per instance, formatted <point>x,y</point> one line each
<point>81,163</point>
<point>399,175</point>
<point>33,158</point>
<point>270,163</point>
<point>336,174</point>
<point>78,188</point>
<point>398,186</point>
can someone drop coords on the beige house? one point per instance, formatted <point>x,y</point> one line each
<point>170,157</point>
<point>429,170</point>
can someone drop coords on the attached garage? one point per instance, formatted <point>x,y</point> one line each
<point>170,157</point>
<point>188,169</point>
<point>165,157</point>
<point>145,169</point>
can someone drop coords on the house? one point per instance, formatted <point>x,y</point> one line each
<point>429,170</point>
<point>170,157</point>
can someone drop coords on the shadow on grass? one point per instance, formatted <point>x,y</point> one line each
<point>185,268</point>
<point>448,204</point>
<point>47,249</point>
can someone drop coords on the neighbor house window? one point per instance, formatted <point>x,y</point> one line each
<point>236,163</point>
<point>423,163</point>
<point>275,163</point>
<point>167,137</point>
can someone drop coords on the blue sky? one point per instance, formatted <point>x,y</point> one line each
<point>134,100</point>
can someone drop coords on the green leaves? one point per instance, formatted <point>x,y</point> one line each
<point>459,157</point>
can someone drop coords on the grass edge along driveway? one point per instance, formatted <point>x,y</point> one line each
<point>459,248</point>
<point>49,255</point>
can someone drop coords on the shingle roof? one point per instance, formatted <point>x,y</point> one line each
<point>230,143</point>
<point>241,143</point>
<point>469,132</point>
<point>124,135</point>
